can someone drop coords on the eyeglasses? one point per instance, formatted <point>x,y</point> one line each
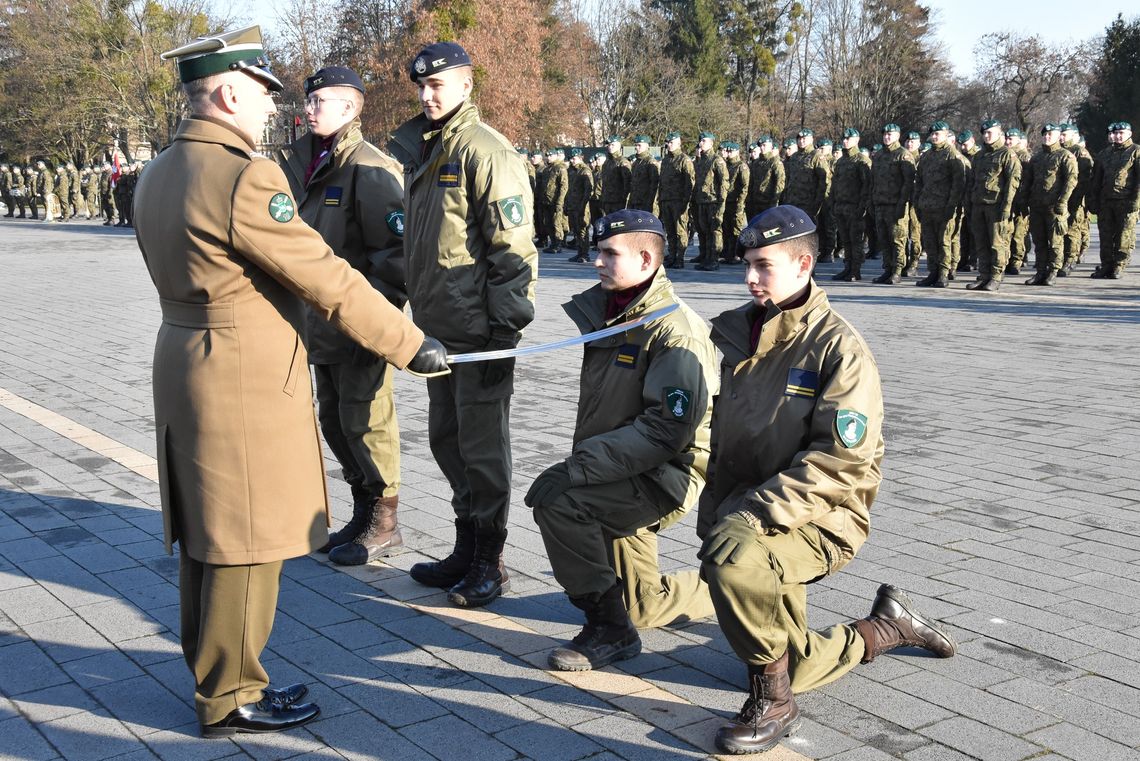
<point>315,101</point>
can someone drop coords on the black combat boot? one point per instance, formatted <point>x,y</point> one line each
<point>769,714</point>
<point>927,281</point>
<point>895,622</point>
<point>355,525</point>
<point>381,537</point>
<point>450,571</point>
<point>942,279</point>
<point>883,278</point>
<point>1012,269</point>
<point>608,636</point>
<point>990,285</point>
<point>826,258</point>
<point>980,283</point>
<point>487,578</point>
<point>843,274</point>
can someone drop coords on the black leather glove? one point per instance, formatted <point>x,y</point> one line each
<point>727,537</point>
<point>495,371</point>
<point>431,359</point>
<point>549,484</point>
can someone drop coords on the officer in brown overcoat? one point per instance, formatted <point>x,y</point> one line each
<point>240,467</point>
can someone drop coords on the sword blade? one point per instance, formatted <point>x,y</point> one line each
<point>523,351</point>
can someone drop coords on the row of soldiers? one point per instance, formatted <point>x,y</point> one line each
<point>69,192</point>
<point>966,205</point>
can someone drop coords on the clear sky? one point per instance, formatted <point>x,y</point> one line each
<point>959,22</point>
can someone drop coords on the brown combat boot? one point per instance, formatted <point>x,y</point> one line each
<point>361,499</point>
<point>895,622</point>
<point>608,635</point>
<point>769,714</point>
<point>381,536</point>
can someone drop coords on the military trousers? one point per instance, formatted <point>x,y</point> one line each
<point>828,234</point>
<point>991,240</point>
<point>109,209</point>
<point>709,218</point>
<point>1048,230</point>
<point>601,534</point>
<point>1019,240</point>
<point>849,226</point>
<point>730,228</point>
<point>761,606</point>
<point>1116,221</point>
<point>890,233</point>
<point>937,241</point>
<point>1078,216</point>
<point>226,618</point>
<point>969,247</point>
<point>914,247</point>
<point>357,411</point>
<point>470,438</point>
<point>580,226</point>
<point>675,218</point>
<point>542,222</point>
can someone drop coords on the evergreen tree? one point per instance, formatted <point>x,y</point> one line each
<point>1114,94</point>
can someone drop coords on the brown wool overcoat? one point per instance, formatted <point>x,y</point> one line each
<point>240,466</point>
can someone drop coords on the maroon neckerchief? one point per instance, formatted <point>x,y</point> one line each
<point>326,146</point>
<point>761,314</point>
<point>619,300</point>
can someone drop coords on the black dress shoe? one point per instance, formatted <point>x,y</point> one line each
<point>286,696</point>
<point>262,716</point>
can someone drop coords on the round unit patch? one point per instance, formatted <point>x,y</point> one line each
<point>281,207</point>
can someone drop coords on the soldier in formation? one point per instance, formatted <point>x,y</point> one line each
<point>1114,195</point>
<point>710,193</point>
<point>578,193</point>
<point>734,219</point>
<point>674,191</point>
<point>851,194</point>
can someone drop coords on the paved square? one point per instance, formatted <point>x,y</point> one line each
<point>1008,510</point>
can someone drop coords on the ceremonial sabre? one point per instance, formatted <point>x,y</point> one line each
<point>522,351</point>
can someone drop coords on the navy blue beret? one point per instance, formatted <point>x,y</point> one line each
<point>776,225</point>
<point>627,221</point>
<point>437,57</point>
<point>334,76</point>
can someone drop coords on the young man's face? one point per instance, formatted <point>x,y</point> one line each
<point>673,144</point>
<point>443,92</point>
<point>329,109</point>
<point>705,144</point>
<point>1051,138</point>
<point>621,263</point>
<point>774,275</point>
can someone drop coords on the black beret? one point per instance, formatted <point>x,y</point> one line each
<point>627,221</point>
<point>776,225</point>
<point>437,57</point>
<point>334,76</point>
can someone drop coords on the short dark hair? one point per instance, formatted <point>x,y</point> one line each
<point>651,242</point>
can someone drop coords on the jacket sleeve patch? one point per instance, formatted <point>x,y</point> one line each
<point>395,220</point>
<point>676,402</point>
<point>851,427</point>
<point>512,212</point>
<point>803,383</point>
<point>449,176</point>
<point>281,207</point>
<point>627,356</point>
<point>333,196</point>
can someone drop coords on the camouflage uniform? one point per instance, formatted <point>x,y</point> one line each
<point>892,182</point>
<point>851,198</point>
<point>1114,195</point>
<point>997,177</point>
<point>765,184</point>
<point>675,190</point>
<point>581,188</point>
<point>734,219</point>
<point>710,191</point>
<point>644,179</point>
<point>938,185</point>
<point>1053,177</point>
<point>617,175</point>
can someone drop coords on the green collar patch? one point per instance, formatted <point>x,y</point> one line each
<point>281,207</point>
<point>677,402</point>
<point>512,212</point>
<point>851,427</point>
<point>395,220</point>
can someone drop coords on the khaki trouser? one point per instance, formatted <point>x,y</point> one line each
<point>914,239</point>
<point>1078,218</point>
<point>227,616</point>
<point>708,221</point>
<point>761,605</point>
<point>1019,240</point>
<point>470,438</point>
<point>957,235</point>
<point>357,411</point>
<point>991,241</point>
<point>597,535</point>
<point>890,234</point>
<point>937,241</point>
<point>1117,225</point>
<point>1048,231</point>
<point>579,225</point>
<point>730,228</point>
<point>849,226</point>
<point>828,234</point>
<point>675,218</point>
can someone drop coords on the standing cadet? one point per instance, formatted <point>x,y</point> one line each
<point>107,195</point>
<point>734,219</point>
<point>851,198</point>
<point>710,191</point>
<point>797,447</point>
<point>968,148</point>
<point>471,268</point>
<point>596,211</point>
<point>240,465</point>
<point>938,184</point>
<point>639,455</point>
<point>828,236</point>
<point>807,176</point>
<point>91,192</point>
<point>892,182</point>
<point>63,192</point>
<point>6,189</point>
<point>766,179</point>
<point>617,175</point>
<point>45,189</point>
<point>76,189</point>
<point>1114,193</point>
<point>538,170</point>
<point>913,144</point>
<point>19,190</point>
<point>1019,239</point>
<point>352,193</point>
<point>675,190</point>
<point>1078,218</point>
<point>1053,177</point>
<point>555,183</point>
<point>997,176</point>
<point>645,177</point>
<point>581,188</point>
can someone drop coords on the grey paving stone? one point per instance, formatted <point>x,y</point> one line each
<point>980,741</point>
<point>483,706</point>
<point>361,736</point>
<point>89,736</point>
<point>392,702</point>
<point>543,741</point>
<point>310,608</point>
<point>636,741</point>
<point>451,737</point>
<point>184,743</point>
<point>25,668</point>
<point>55,702</point>
<point>1081,745</point>
<point>330,663</point>
<point>413,666</point>
<point>873,731</point>
<point>1112,666</point>
<point>1106,692</point>
<point>102,668</point>
<point>68,638</point>
<point>23,742</point>
<point>566,705</point>
<point>502,672</point>
<point>144,705</point>
<point>29,604</point>
<point>886,702</point>
<point>974,703</point>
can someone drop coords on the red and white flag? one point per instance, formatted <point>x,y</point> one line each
<point>116,170</point>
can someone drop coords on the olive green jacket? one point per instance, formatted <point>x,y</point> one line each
<point>997,176</point>
<point>1053,177</point>
<point>765,184</point>
<point>778,451</point>
<point>1084,175</point>
<point>851,182</point>
<point>581,188</point>
<point>738,178</point>
<point>644,182</point>
<point>892,178</point>
<point>807,181</point>
<point>617,175</point>
<point>710,184</point>
<point>675,182</point>
<point>553,186</point>
<point>645,399</point>
<point>1116,177</point>
<point>468,231</point>
<point>355,200</point>
<point>938,182</point>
